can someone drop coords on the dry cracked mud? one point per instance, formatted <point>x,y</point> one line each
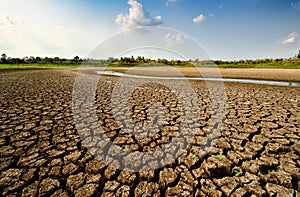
<point>42,154</point>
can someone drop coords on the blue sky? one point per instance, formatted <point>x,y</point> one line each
<point>231,29</point>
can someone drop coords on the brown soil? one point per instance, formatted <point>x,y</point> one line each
<point>268,74</point>
<point>42,153</point>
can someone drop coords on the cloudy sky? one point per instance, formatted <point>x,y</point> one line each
<point>231,29</point>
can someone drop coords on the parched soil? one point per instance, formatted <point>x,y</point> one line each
<point>42,154</point>
<point>238,73</point>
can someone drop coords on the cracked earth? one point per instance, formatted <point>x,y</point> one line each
<point>42,154</point>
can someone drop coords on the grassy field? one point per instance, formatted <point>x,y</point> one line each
<point>36,66</point>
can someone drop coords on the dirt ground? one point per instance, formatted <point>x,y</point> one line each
<point>42,154</point>
<point>249,73</point>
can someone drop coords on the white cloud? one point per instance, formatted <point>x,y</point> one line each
<point>137,17</point>
<point>199,19</point>
<point>20,37</point>
<point>295,5</point>
<point>170,2</point>
<point>290,38</point>
<point>176,38</point>
<point>40,32</point>
<point>158,18</point>
<point>11,20</point>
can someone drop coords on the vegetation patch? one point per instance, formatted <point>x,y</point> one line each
<point>56,62</point>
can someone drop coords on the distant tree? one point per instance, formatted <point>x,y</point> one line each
<point>56,60</point>
<point>19,61</point>
<point>3,58</point>
<point>298,54</point>
<point>10,60</point>
<point>38,59</point>
<point>114,60</point>
<point>132,60</point>
<point>63,60</point>
<point>25,59</point>
<point>47,60</point>
<point>162,61</point>
<point>76,59</point>
<point>110,59</point>
<point>139,59</point>
<point>30,60</point>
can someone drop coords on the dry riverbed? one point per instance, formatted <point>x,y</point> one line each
<point>238,73</point>
<point>257,152</point>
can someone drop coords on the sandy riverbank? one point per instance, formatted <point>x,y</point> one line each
<point>267,74</point>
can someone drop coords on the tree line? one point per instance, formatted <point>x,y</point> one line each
<point>258,61</point>
<point>143,60</point>
<point>39,60</point>
<point>140,60</point>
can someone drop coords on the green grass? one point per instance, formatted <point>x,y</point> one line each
<point>193,155</point>
<point>36,66</point>
<point>238,173</point>
<point>287,66</point>
<point>219,156</point>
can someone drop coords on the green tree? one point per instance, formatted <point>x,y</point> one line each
<point>38,59</point>
<point>47,60</point>
<point>76,59</point>
<point>132,60</point>
<point>3,58</point>
<point>56,60</point>
<point>139,59</point>
<point>298,54</point>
